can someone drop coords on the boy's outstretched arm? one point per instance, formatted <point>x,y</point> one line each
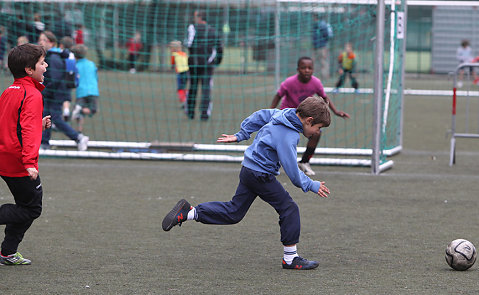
<point>227,138</point>
<point>254,123</point>
<point>275,101</point>
<point>333,108</point>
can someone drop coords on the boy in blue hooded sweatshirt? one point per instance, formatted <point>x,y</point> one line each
<point>274,146</point>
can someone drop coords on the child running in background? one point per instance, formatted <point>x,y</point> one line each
<point>274,146</point>
<point>134,46</point>
<point>464,55</point>
<point>71,75</point>
<point>347,64</point>
<point>293,91</point>
<point>179,62</point>
<point>21,125</point>
<point>87,91</point>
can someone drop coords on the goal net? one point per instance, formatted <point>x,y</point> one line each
<point>139,114</point>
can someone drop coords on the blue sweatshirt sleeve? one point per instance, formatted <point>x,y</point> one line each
<point>254,123</point>
<point>287,154</point>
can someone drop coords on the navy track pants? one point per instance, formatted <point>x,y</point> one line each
<point>253,184</point>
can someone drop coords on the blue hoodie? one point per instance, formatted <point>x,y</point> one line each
<point>275,145</point>
<point>88,84</point>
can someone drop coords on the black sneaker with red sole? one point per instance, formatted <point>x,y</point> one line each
<point>301,264</point>
<point>177,215</point>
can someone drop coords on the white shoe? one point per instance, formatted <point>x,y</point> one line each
<point>76,112</point>
<point>83,142</point>
<point>306,168</point>
<point>132,71</point>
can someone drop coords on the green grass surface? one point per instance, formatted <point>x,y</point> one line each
<point>381,234</point>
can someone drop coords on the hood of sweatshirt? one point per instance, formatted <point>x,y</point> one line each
<point>275,145</point>
<point>65,53</point>
<point>288,118</point>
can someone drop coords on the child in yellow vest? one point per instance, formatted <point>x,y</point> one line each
<point>179,62</point>
<point>347,63</point>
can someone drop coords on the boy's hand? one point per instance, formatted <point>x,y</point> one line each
<point>46,122</point>
<point>342,114</point>
<point>33,172</point>
<point>227,138</point>
<point>323,190</point>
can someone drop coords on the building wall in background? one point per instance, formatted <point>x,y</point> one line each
<point>451,25</point>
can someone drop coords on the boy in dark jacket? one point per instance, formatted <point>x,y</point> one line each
<point>56,91</point>
<point>205,52</point>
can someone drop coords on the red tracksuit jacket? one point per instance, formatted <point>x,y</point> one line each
<point>21,110</point>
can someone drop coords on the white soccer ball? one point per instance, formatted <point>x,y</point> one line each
<point>460,254</point>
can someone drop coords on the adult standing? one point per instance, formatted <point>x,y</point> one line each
<point>205,52</point>
<point>322,32</point>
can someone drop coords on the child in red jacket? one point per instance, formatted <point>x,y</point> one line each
<point>134,46</point>
<point>21,108</point>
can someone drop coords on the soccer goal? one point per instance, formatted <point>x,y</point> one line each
<point>140,115</point>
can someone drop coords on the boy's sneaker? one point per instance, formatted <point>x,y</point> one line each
<point>306,168</point>
<point>76,112</point>
<point>177,215</point>
<point>14,259</point>
<point>335,90</point>
<point>300,263</point>
<point>45,146</point>
<point>83,142</point>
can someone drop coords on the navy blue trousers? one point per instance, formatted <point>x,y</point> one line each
<point>200,74</point>
<point>55,110</point>
<point>253,184</point>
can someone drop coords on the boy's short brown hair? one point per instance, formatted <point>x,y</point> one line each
<point>67,42</point>
<point>79,51</point>
<point>315,107</point>
<point>24,56</point>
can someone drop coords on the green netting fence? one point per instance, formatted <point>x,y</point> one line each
<point>262,39</point>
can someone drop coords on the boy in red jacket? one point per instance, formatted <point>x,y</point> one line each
<point>21,108</point>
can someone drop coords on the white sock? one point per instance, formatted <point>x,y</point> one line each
<point>192,214</point>
<point>289,254</point>
<point>66,112</point>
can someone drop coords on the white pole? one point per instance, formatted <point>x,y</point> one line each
<point>378,88</point>
<point>403,59</point>
<point>392,54</point>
